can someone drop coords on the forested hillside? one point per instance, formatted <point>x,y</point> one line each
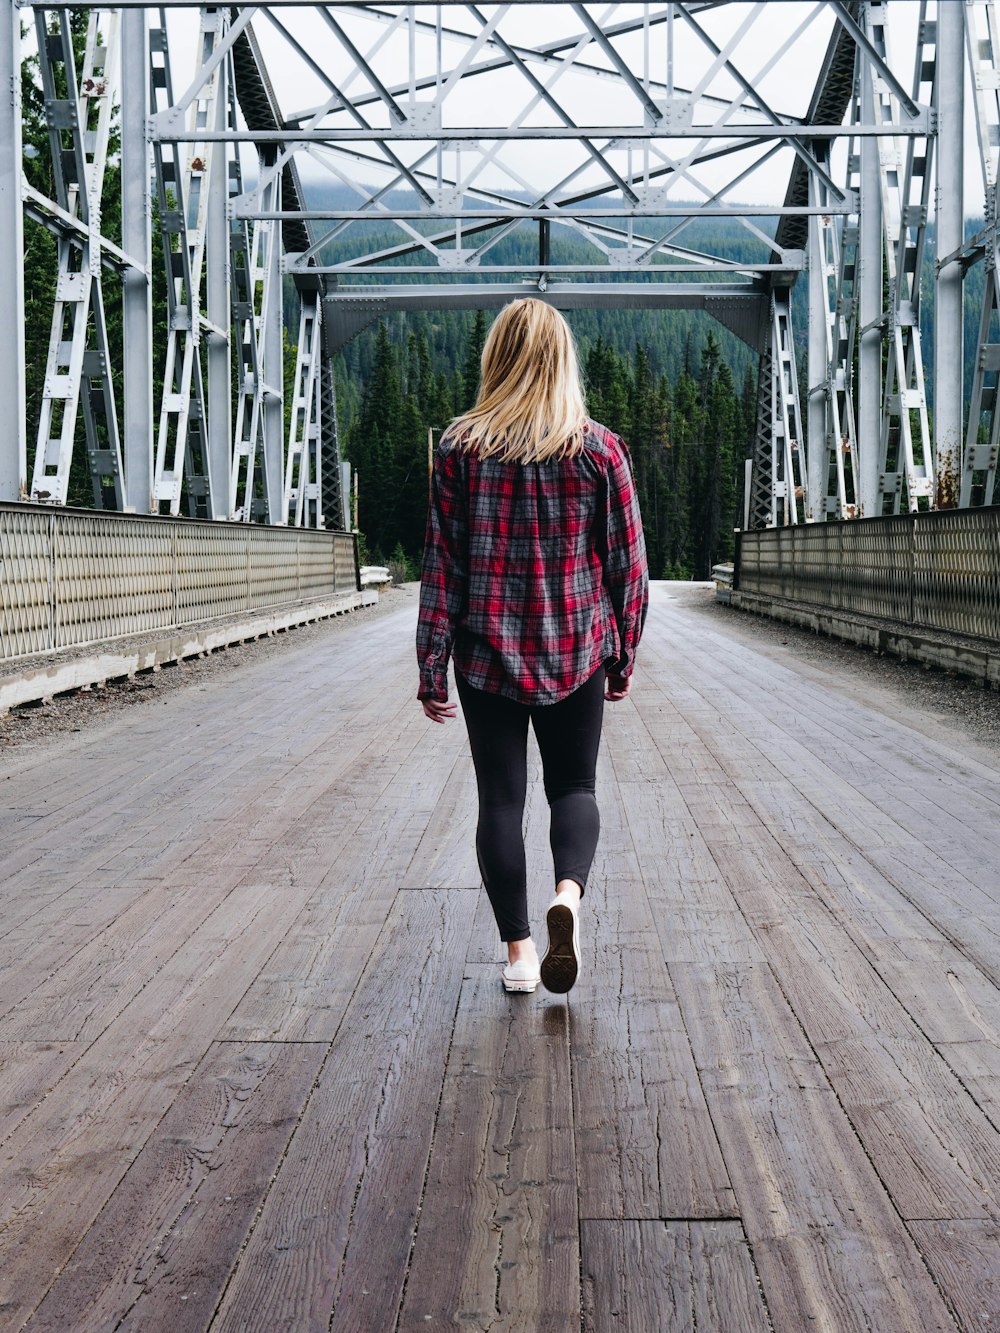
<point>688,433</point>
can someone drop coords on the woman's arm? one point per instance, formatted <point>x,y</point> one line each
<point>625,574</point>
<point>444,574</point>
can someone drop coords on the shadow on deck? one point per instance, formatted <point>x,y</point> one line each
<point>258,1071</point>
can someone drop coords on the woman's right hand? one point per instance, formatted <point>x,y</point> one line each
<point>437,711</point>
<point>617,687</point>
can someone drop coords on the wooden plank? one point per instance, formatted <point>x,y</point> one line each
<point>97,815</point>
<point>672,1276</point>
<point>160,1252</point>
<point>485,947</point>
<point>29,1070</point>
<point>918,857</point>
<point>81,997</point>
<point>936,1151</point>
<point>830,1249</point>
<point>963,1256</point>
<point>66,1157</point>
<point>445,857</point>
<point>646,1146</point>
<point>350,1185</point>
<point>496,1243</point>
<point>977,1066</point>
<point>303,991</point>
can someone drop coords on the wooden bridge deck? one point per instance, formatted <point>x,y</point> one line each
<point>258,1071</point>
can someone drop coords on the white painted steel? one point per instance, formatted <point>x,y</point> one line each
<point>869,444</point>
<point>137,288</point>
<point>301,503</point>
<point>13,442</point>
<point>78,366</point>
<point>982,440</point>
<point>949,211</point>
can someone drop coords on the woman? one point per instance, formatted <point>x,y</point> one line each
<point>534,579</point>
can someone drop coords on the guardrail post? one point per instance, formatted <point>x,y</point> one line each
<point>52,582</point>
<point>175,574</point>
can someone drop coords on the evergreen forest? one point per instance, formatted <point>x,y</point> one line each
<point>688,431</point>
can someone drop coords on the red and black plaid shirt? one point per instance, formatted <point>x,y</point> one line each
<point>534,574</point>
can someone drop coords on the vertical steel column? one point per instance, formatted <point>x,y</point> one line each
<point>272,373</point>
<point>219,400</point>
<point>137,292</point>
<point>818,369</point>
<point>948,340</point>
<point>13,447</point>
<point>869,308</point>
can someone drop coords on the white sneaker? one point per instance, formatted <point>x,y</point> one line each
<point>521,977</point>
<point>562,958</point>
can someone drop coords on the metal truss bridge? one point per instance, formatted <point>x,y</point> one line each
<point>348,160</point>
<point>257,1071</point>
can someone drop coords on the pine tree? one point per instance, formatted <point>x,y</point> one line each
<point>473,359</point>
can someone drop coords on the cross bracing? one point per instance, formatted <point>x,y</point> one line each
<point>354,159</point>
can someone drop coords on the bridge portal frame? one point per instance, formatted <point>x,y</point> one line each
<point>844,232</point>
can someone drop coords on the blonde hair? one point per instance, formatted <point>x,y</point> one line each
<point>530,404</point>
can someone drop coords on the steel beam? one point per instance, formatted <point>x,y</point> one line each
<point>272,373</point>
<point>818,350</point>
<point>949,349</point>
<point>219,397</point>
<point>869,414</point>
<point>137,294</point>
<point>13,444</point>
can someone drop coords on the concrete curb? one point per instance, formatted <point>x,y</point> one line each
<point>26,682</point>
<point>978,658</point>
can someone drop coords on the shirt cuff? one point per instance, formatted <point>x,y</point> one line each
<point>434,685</point>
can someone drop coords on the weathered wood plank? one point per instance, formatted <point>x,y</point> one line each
<point>645,1143</point>
<point>937,1153</point>
<point>160,1252</point>
<point>964,1257</point>
<point>65,1158</point>
<point>445,856</point>
<point>29,1070</point>
<point>672,1276</point>
<point>831,1250</point>
<point>646,1146</point>
<point>95,821</point>
<point>350,1185</point>
<point>80,998</point>
<point>303,991</point>
<point>497,1243</point>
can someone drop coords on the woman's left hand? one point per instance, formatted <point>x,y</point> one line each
<point>437,711</point>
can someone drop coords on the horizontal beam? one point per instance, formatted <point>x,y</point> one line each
<point>291,264</point>
<point>564,296</point>
<point>243,208</point>
<point>168,127</point>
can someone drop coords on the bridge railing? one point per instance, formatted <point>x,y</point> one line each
<point>939,570</point>
<point>73,577</point>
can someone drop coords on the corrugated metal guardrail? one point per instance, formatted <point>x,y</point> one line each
<point>938,570</point>
<point>72,577</point>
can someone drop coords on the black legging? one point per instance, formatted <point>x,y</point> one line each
<point>568,734</point>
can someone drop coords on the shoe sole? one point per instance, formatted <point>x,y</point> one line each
<point>561,963</point>
<point>519,987</point>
